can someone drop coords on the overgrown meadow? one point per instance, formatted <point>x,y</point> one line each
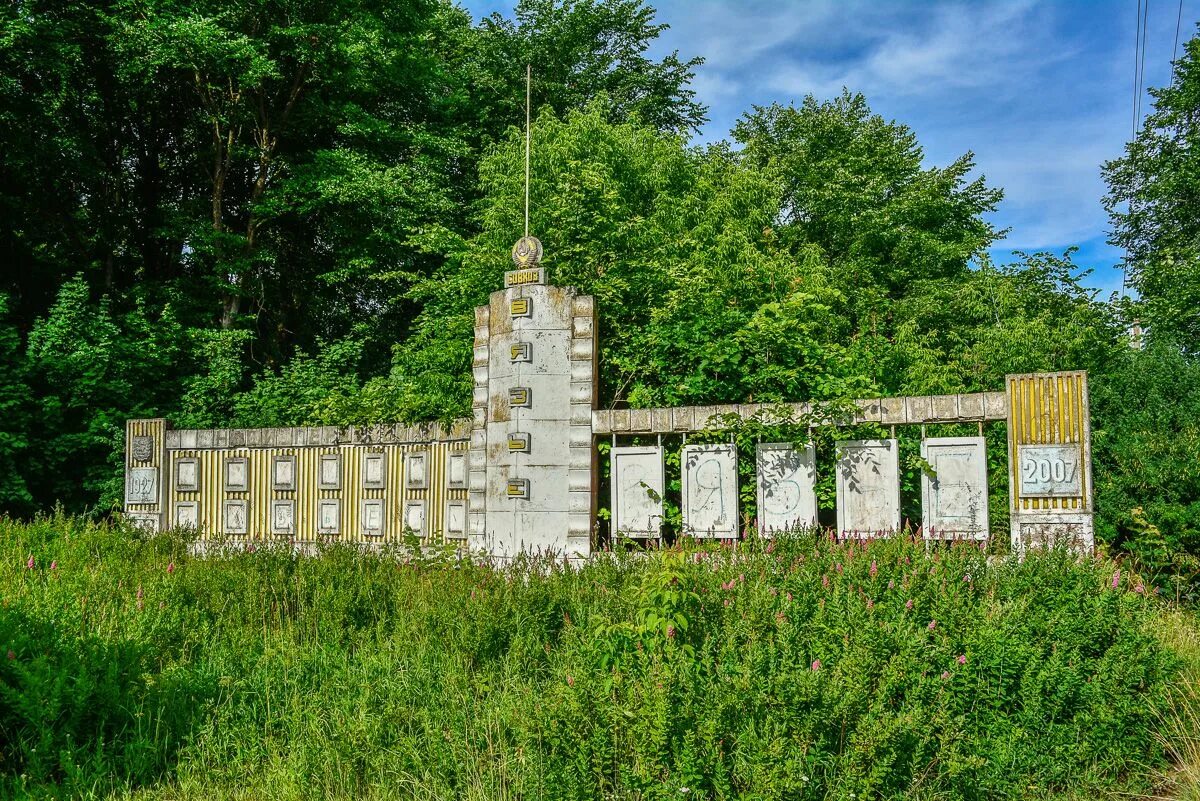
<point>800,669</point>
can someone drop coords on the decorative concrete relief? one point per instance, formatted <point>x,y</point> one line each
<point>786,487</point>
<point>521,352</point>
<point>141,485</point>
<point>236,515</point>
<point>637,491</point>
<point>237,474</point>
<point>283,517</point>
<point>868,487</point>
<point>710,505</point>
<point>142,449</point>
<point>521,307</point>
<point>518,442</point>
<point>954,498</point>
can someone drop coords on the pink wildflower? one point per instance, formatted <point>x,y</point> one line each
<point>1140,588</point>
<point>1116,582</point>
<point>771,546</point>
<point>816,665</point>
<point>932,625</point>
<point>962,659</point>
<point>727,602</point>
<point>670,632</point>
<point>30,564</point>
<point>824,581</point>
<point>570,680</point>
<point>170,568</point>
<point>892,584</point>
<point>945,675</point>
<point>54,564</point>
<point>789,597</point>
<point>250,548</point>
<point>874,569</point>
<point>908,604</point>
<point>839,567</point>
<point>780,617</point>
<point>870,603</point>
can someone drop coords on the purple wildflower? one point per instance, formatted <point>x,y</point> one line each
<point>1116,582</point>
<point>962,659</point>
<point>932,625</point>
<point>816,665</point>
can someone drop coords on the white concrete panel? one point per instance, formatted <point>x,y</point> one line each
<point>710,507</point>
<point>329,513</point>
<point>283,517</point>
<point>954,500</point>
<point>456,474</point>
<point>330,472</point>
<point>372,517</point>
<point>373,470</point>
<point>283,472</point>
<point>187,475</point>
<point>414,517</point>
<point>637,491</point>
<point>187,514</point>
<point>868,487</point>
<point>237,474</point>
<point>786,495</point>
<point>235,517</point>
<point>456,519</point>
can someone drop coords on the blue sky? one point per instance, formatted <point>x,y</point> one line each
<point>1041,92</point>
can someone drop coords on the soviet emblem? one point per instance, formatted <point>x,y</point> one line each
<point>527,252</point>
<point>142,448</point>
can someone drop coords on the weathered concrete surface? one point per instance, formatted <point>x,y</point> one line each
<point>637,491</point>
<point>786,482</point>
<point>868,487</point>
<point>954,500</point>
<point>710,498</point>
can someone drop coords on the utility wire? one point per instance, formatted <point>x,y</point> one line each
<point>1137,53</point>
<point>1178,19</point>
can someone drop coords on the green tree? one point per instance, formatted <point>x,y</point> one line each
<point>15,405</point>
<point>1154,206</point>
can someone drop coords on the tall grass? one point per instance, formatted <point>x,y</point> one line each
<point>801,669</point>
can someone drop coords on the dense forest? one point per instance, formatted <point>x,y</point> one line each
<point>283,212</point>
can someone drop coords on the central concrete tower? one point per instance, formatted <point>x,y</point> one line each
<point>531,457</point>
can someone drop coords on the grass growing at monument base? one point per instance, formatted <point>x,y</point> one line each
<point>802,669</point>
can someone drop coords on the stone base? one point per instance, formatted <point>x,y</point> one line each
<point>1074,530</point>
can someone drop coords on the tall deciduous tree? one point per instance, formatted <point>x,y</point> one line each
<point>1154,206</point>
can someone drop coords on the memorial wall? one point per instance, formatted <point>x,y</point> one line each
<point>523,474</point>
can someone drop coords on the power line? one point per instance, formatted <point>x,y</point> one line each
<point>1178,19</point>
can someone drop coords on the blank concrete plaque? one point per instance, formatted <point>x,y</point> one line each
<point>414,471</point>
<point>456,519</point>
<point>329,516</point>
<point>414,517</point>
<point>786,495</point>
<point>187,514</point>
<point>710,491</point>
<point>954,500</point>
<point>237,474</point>
<point>235,516</point>
<point>456,473</point>
<point>372,517</point>
<point>283,473</point>
<point>187,475</point>
<point>283,517</point>
<point>141,485</point>
<point>637,491</point>
<point>329,475</point>
<point>868,487</point>
<point>373,470</point>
